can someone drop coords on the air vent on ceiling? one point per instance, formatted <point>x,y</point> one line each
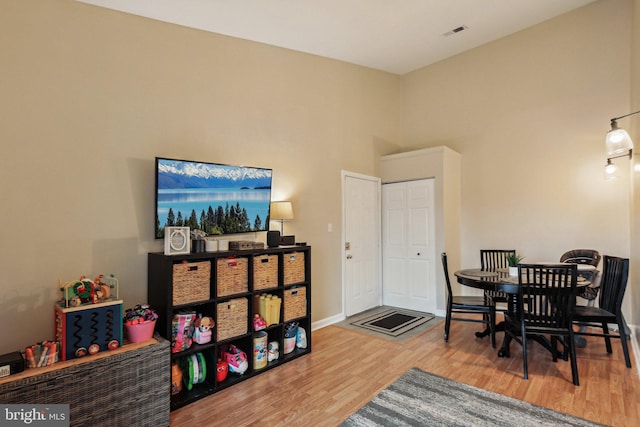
<point>455,30</point>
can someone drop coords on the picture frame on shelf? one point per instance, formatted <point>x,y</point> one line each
<point>177,240</point>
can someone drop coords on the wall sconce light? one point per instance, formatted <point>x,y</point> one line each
<point>610,170</point>
<point>281,211</point>
<point>618,144</point>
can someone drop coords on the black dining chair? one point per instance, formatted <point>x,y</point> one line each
<point>615,273</point>
<point>491,260</point>
<point>546,300</point>
<point>467,305</point>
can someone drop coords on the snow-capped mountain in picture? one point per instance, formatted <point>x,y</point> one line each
<point>183,174</point>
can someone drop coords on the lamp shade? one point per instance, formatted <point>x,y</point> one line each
<point>281,211</point>
<point>618,141</point>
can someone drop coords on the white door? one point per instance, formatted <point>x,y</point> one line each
<point>408,252</point>
<point>361,243</point>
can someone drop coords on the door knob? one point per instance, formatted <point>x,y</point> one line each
<point>349,256</point>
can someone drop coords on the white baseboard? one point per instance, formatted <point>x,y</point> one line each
<point>327,321</point>
<point>635,346</point>
<point>440,313</point>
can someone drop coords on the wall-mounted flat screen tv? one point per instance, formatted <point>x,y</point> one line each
<point>217,199</point>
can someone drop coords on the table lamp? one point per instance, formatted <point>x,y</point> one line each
<point>281,211</point>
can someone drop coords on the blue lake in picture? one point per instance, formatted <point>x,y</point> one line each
<point>254,201</point>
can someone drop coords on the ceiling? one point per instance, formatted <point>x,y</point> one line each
<point>397,36</point>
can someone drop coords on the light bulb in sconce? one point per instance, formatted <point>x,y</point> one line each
<point>610,170</point>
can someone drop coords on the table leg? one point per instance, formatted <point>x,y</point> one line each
<point>512,311</point>
<point>486,332</point>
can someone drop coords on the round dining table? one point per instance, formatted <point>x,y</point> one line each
<point>499,281</point>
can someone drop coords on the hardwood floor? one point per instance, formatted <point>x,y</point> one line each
<point>346,369</point>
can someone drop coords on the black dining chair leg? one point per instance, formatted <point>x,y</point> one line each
<point>447,324</point>
<point>554,347</point>
<point>571,345</point>
<point>492,327</point>
<point>607,340</point>
<point>623,337</point>
<point>524,352</point>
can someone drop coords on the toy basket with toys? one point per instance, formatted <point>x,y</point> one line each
<point>140,322</point>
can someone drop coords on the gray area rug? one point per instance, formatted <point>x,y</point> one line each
<point>356,323</point>
<point>419,398</point>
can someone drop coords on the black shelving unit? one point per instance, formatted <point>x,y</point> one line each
<point>160,288</point>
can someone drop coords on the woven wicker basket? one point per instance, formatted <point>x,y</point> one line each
<point>191,282</point>
<point>265,272</point>
<point>127,387</point>
<point>232,276</point>
<point>295,303</point>
<point>232,318</point>
<point>293,267</point>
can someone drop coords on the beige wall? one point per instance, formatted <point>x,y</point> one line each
<point>528,113</point>
<point>90,96</point>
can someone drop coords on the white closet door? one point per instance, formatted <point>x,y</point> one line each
<point>408,266</point>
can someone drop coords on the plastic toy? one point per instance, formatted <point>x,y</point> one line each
<point>258,323</point>
<point>236,358</point>
<point>260,350</point>
<point>176,379</point>
<point>273,351</point>
<point>182,331</point>
<point>221,370</point>
<point>202,331</point>
<point>301,338</point>
<point>290,333</point>
<point>194,369</point>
